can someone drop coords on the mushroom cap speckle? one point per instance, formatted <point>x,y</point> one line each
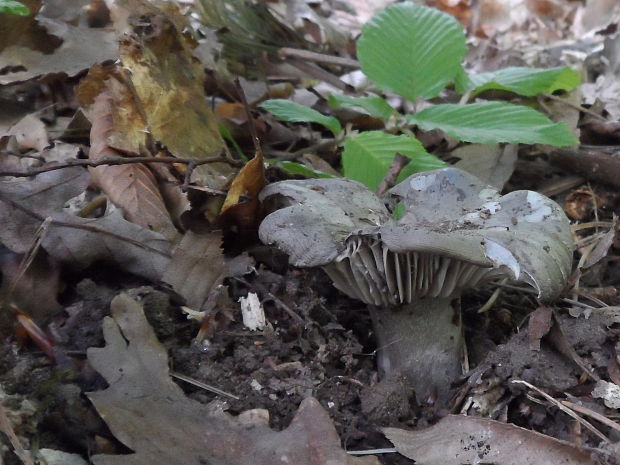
<point>456,233</point>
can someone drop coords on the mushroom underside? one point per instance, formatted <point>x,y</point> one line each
<point>414,303</point>
<point>368,271</point>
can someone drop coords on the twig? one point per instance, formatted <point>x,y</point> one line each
<point>400,161</point>
<point>592,414</point>
<point>564,409</point>
<point>387,450</point>
<point>120,161</point>
<point>574,105</point>
<point>318,57</point>
<point>317,72</point>
<point>591,224</point>
<point>595,166</point>
<point>85,227</point>
<point>466,96</point>
<point>318,147</point>
<point>188,175</point>
<point>258,151</point>
<point>202,385</point>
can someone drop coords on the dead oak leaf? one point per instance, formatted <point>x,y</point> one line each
<point>149,413</point>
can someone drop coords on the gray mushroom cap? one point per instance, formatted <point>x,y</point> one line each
<point>456,233</point>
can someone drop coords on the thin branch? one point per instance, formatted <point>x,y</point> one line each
<point>592,414</point>
<point>564,409</point>
<point>120,161</point>
<point>592,165</point>
<point>575,106</point>
<point>317,72</point>
<point>318,57</point>
<point>400,161</point>
<point>258,151</point>
<point>322,145</point>
<point>200,384</point>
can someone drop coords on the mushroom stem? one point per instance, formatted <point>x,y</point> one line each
<point>421,342</point>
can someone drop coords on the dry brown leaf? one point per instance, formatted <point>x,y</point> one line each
<point>80,48</point>
<point>198,266</point>
<point>461,440</point>
<point>133,186</point>
<point>249,182</point>
<point>24,204</point>
<point>149,413</point>
<point>241,206</point>
<point>460,9</point>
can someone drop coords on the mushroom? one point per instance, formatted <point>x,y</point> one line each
<point>456,234</point>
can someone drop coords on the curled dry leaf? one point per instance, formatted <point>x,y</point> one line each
<point>24,204</point>
<point>241,206</point>
<point>149,413</point>
<point>133,186</point>
<point>459,440</point>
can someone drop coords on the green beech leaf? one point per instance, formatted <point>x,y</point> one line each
<point>368,155</point>
<point>492,122</point>
<point>11,7</point>
<point>372,105</point>
<point>520,80</point>
<point>297,168</point>
<point>411,49</point>
<point>287,110</point>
